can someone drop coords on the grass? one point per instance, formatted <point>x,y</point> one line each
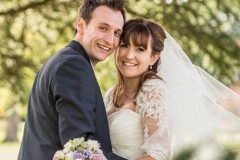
<point>9,150</point>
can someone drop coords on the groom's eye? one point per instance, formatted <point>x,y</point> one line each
<point>103,28</point>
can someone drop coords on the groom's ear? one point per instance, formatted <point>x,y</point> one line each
<point>80,25</point>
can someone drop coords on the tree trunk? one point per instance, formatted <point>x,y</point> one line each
<point>12,124</point>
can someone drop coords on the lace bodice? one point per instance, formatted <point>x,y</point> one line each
<point>150,124</point>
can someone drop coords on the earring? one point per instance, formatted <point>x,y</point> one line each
<point>150,67</point>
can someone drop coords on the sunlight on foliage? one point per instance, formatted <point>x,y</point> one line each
<point>33,30</point>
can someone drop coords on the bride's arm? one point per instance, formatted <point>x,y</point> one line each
<point>152,105</point>
<point>108,101</point>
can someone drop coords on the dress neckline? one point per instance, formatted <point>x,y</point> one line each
<point>120,111</point>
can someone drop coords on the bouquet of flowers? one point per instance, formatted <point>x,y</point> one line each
<point>79,149</point>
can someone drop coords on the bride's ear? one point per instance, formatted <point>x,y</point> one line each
<point>155,58</point>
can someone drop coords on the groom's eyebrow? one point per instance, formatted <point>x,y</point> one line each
<point>106,24</point>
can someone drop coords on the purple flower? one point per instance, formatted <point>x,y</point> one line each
<point>77,154</point>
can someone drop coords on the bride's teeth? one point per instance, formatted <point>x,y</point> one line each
<point>129,64</point>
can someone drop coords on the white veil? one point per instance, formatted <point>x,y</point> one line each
<point>194,98</point>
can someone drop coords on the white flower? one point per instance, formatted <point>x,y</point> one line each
<point>69,145</point>
<point>65,150</point>
<point>77,141</point>
<point>59,155</point>
<point>93,144</point>
<point>69,156</point>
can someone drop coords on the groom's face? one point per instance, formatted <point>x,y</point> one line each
<point>101,35</point>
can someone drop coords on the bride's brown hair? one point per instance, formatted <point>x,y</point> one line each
<point>139,31</point>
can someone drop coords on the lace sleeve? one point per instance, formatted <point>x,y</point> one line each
<point>108,97</point>
<point>152,106</point>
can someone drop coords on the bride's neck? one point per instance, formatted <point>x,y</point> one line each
<point>131,85</point>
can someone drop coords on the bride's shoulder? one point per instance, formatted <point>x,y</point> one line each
<point>109,97</point>
<point>110,90</point>
<point>109,94</point>
<point>156,83</point>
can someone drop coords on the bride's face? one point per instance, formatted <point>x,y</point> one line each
<point>133,61</point>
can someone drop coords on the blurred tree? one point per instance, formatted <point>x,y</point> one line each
<point>32,30</point>
<point>12,122</point>
<point>207,31</point>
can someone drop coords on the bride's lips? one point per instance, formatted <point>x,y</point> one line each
<point>129,64</point>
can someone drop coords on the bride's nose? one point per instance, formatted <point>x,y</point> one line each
<point>130,54</point>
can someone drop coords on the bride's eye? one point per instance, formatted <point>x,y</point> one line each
<point>123,45</point>
<point>140,49</point>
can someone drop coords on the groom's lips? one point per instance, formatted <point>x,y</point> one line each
<point>104,47</point>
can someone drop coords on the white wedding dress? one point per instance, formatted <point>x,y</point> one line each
<point>126,133</point>
<point>185,109</point>
<point>144,132</point>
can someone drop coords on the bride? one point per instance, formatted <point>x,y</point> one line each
<point>162,102</point>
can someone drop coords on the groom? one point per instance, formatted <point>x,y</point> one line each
<point>66,101</point>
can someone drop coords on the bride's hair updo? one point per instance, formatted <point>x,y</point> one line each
<point>139,31</point>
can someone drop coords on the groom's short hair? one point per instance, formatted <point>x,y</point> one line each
<point>88,6</point>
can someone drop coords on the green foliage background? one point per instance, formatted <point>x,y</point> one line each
<point>33,30</point>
